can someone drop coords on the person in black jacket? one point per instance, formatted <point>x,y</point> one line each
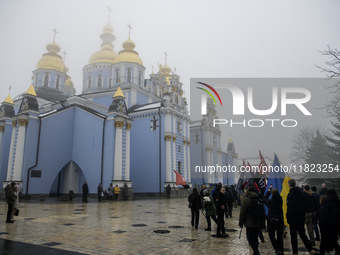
<point>317,199</point>
<point>333,197</point>
<point>296,210</point>
<point>195,203</point>
<point>221,207</point>
<point>230,200</point>
<point>328,221</point>
<point>275,219</point>
<point>310,215</point>
<point>99,192</point>
<point>85,191</point>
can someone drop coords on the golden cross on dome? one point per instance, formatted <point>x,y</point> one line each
<point>129,26</point>
<point>55,32</point>
<point>109,8</point>
<point>165,56</point>
<point>64,53</point>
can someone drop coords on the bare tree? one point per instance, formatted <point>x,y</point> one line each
<point>302,143</point>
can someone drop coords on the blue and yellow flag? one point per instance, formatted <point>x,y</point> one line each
<point>279,180</point>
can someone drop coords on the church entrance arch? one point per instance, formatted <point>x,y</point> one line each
<point>69,177</point>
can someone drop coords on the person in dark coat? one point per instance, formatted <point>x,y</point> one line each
<point>252,225</point>
<point>10,202</point>
<point>230,200</point>
<point>168,190</point>
<point>125,191</point>
<point>317,199</point>
<point>310,215</point>
<point>221,207</point>
<point>194,200</point>
<point>210,209</point>
<point>71,194</point>
<point>275,219</point>
<point>323,190</point>
<point>85,191</point>
<point>99,192</point>
<point>296,210</point>
<point>329,222</point>
<point>333,197</point>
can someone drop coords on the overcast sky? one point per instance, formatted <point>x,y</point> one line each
<point>235,39</point>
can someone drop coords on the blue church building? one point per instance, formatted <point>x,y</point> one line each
<point>122,128</point>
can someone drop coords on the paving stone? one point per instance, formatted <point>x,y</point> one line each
<point>104,231</point>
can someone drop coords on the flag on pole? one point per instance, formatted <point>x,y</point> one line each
<point>262,164</point>
<point>261,176</point>
<point>179,179</point>
<point>241,181</point>
<point>279,180</point>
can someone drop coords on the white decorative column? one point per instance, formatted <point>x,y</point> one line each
<point>19,152</point>
<point>168,158</point>
<point>189,169</point>
<point>207,150</point>
<point>2,130</point>
<point>127,152</point>
<point>174,163</point>
<point>117,173</point>
<point>185,160</point>
<point>11,152</point>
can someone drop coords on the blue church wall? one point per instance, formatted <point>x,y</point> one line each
<point>229,161</point>
<point>55,149</point>
<point>94,74</point>
<point>145,154</point>
<point>87,146</point>
<point>72,134</point>
<point>5,147</point>
<point>197,159</point>
<point>109,152</point>
<point>142,99</point>
<point>104,100</point>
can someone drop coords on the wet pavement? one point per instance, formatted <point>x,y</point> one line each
<point>148,226</point>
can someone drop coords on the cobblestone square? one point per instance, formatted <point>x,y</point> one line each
<point>145,226</point>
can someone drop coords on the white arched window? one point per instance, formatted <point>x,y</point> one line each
<point>46,80</point>
<point>129,76</point>
<point>117,75</point>
<point>89,83</point>
<point>57,82</point>
<point>99,81</point>
<point>140,78</point>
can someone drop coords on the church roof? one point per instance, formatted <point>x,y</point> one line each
<point>50,94</point>
<point>137,108</point>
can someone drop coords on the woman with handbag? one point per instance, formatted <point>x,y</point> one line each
<point>15,210</point>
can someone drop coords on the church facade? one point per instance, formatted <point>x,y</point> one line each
<point>122,128</point>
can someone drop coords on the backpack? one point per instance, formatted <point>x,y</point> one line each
<point>256,208</point>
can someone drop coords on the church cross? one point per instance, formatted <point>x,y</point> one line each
<point>55,32</point>
<point>109,9</point>
<point>165,56</point>
<point>64,53</point>
<point>129,26</point>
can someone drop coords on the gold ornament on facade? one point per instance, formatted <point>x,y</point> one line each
<point>23,122</point>
<point>167,138</point>
<point>14,123</point>
<point>184,142</point>
<point>188,143</point>
<point>2,129</point>
<point>119,124</point>
<point>174,138</point>
<point>128,126</point>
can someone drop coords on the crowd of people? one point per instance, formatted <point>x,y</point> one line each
<point>317,212</point>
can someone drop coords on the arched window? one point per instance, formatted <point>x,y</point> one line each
<point>140,78</point>
<point>46,80</point>
<point>36,80</point>
<point>179,167</point>
<point>57,82</point>
<point>129,76</point>
<point>99,82</point>
<point>89,83</point>
<point>176,99</point>
<point>117,75</point>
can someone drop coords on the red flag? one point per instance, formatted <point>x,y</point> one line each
<point>179,179</point>
<point>262,163</point>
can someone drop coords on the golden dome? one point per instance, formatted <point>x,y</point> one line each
<point>108,29</point>
<point>69,83</point>
<point>51,60</point>
<point>128,54</point>
<point>166,69</point>
<point>106,53</point>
